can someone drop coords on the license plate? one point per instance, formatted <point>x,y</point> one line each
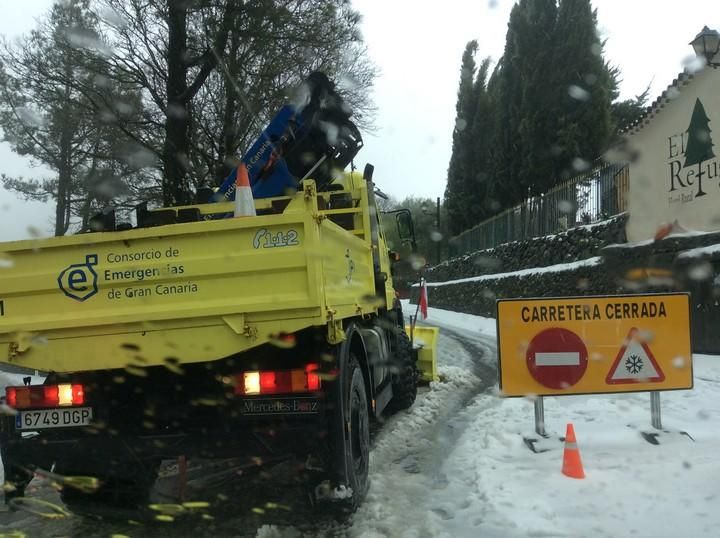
<point>53,418</point>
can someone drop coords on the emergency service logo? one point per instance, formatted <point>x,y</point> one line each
<point>79,281</point>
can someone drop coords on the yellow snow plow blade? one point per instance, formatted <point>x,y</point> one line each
<point>425,342</point>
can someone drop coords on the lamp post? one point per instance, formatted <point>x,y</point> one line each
<point>706,45</point>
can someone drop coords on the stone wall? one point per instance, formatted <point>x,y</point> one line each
<point>587,261</point>
<point>478,297</point>
<point>575,244</point>
<point>685,262</point>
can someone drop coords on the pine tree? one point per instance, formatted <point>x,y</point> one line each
<point>458,171</point>
<point>699,143</point>
<point>48,118</point>
<point>628,111</point>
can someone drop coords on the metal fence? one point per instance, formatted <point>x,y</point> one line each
<point>596,195</point>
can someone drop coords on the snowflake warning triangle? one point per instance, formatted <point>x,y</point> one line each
<point>635,363</point>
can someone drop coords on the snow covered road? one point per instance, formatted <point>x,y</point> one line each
<point>408,492</point>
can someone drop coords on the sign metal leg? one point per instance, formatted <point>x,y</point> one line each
<point>540,417</point>
<point>655,410</point>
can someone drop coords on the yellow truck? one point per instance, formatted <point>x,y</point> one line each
<point>265,337</point>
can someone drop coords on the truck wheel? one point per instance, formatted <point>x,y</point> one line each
<point>358,421</point>
<point>404,379</point>
<point>356,457</point>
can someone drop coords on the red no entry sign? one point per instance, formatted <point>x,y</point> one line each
<point>557,358</point>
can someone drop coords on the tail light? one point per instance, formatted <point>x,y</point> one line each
<point>278,381</point>
<point>39,396</point>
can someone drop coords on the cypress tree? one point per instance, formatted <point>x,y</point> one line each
<point>506,93</point>
<point>459,169</point>
<point>585,87</point>
<point>481,139</point>
<point>493,192</point>
<point>535,42</point>
<point>543,113</point>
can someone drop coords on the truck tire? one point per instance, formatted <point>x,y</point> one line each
<point>358,420</point>
<point>356,458</point>
<point>405,376</point>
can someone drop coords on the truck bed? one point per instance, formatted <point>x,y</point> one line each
<point>187,292</point>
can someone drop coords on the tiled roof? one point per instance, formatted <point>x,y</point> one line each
<point>670,93</point>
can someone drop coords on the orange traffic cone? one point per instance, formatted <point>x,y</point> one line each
<point>244,204</point>
<point>572,464</point>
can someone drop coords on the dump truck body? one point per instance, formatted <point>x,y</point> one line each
<point>189,292</point>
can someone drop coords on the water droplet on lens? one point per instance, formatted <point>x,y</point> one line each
<point>700,271</point>
<point>580,165</point>
<point>694,63</point>
<point>283,340</point>
<point>576,92</point>
<point>565,206</point>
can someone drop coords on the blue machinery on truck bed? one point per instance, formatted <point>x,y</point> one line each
<point>311,137</point>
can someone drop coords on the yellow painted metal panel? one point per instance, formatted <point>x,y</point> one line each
<point>582,345</point>
<point>425,340</point>
<point>347,270</point>
<point>158,278</point>
<point>140,345</point>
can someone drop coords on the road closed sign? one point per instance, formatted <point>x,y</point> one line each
<point>591,345</point>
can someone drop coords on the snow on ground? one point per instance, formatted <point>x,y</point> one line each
<point>557,268</point>
<point>495,486</point>
<point>699,252</point>
<point>406,463</point>
<point>455,320</point>
<point>632,488</point>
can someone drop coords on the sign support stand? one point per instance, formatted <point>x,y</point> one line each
<point>540,417</point>
<point>655,410</point>
<point>652,437</point>
<point>539,427</point>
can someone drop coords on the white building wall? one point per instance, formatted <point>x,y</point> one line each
<point>662,188</point>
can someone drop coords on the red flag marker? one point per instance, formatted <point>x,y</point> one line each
<point>423,299</point>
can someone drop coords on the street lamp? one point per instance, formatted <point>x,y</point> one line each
<point>706,44</point>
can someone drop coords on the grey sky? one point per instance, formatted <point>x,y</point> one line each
<point>417,44</point>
